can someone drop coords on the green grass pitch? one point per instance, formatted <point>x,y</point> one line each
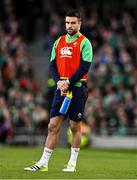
<point>92,164</point>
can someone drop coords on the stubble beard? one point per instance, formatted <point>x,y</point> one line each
<point>72,32</point>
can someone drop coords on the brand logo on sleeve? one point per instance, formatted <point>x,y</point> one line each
<point>66,52</point>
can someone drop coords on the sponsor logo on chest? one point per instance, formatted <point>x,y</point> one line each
<point>66,52</point>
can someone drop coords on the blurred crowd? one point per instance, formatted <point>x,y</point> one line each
<point>22,104</point>
<point>111,108</point>
<point>112,104</point>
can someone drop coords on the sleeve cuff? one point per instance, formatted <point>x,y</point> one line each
<point>68,81</point>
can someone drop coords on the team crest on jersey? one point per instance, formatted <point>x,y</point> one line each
<point>75,44</point>
<point>66,52</point>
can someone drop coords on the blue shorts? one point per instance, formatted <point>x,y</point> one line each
<point>76,108</point>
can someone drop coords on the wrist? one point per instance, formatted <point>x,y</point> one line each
<point>58,81</point>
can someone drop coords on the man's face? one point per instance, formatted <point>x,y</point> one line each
<point>73,25</point>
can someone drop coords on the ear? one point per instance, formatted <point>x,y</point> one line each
<point>80,22</point>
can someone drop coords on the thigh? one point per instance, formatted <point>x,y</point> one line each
<point>56,104</point>
<point>77,106</point>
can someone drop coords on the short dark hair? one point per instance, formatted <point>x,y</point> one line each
<point>73,13</point>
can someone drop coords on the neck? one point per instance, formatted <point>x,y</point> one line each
<point>78,33</point>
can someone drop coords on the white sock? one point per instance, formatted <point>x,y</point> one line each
<point>74,156</point>
<point>45,157</point>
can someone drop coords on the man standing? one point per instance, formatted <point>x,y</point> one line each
<point>70,61</point>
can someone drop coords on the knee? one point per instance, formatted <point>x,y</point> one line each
<point>75,129</point>
<point>53,127</point>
